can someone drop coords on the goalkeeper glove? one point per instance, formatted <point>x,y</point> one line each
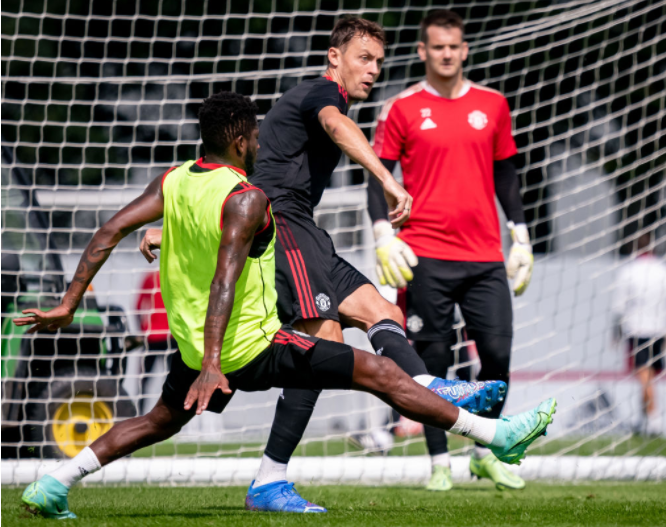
<point>520,263</point>
<point>394,257</point>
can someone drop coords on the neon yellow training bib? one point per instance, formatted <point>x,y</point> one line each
<point>194,195</point>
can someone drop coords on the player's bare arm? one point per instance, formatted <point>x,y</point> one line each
<point>348,136</point>
<point>242,216</point>
<point>145,209</point>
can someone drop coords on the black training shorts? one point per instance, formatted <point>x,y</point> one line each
<point>646,352</point>
<point>311,279</point>
<point>293,360</point>
<point>480,289</point>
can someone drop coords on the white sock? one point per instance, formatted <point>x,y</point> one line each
<point>441,460</point>
<point>72,471</point>
<point>424,380</point>
<point>270,471</point>
<point>481,451</point>
<point>478,428</point>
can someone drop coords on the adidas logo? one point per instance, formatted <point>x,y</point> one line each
<point>428,124</point>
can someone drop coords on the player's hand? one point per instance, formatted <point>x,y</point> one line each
<point>520,263</point>
<point>151,240</point>
<point>55,318</point>
<point>399,202</point>
<point>209,380</point>
<point>395,259</point>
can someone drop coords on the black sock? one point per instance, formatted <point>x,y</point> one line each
<point>495,356</point>
<point>388,339</point>
<point>292,415</point>
<point>438,357</point>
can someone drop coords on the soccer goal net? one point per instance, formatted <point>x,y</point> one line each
<point>100,97</point>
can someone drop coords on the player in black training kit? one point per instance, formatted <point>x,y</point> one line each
<point>302,140</point>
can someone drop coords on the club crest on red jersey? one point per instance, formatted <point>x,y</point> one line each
<point>477,120</point>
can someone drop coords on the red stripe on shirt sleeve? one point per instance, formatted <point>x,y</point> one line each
<point>233,194</point>
<point>164,177</point>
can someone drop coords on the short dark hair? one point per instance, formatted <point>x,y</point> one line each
<point>441,18</point>
<point>349,27</point>
<point>223,117</point>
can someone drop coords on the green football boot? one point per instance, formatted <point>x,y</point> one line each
<point>441,479</point>
<point>518,432</point>
<point>48,497</point>
<point>492,468</point>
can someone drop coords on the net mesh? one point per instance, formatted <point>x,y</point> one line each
<point>100,97</point>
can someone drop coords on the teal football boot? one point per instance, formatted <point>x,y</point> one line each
<point>517,432</point>
<point>48,497</point>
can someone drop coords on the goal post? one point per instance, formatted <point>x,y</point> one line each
<point>98,98</point>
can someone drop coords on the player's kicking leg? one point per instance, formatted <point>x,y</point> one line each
<point>48,496</point>
<point>507,437</point>
<point>379,376</point>
<point>338,290</point>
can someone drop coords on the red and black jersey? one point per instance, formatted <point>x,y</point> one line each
<point>446,148</point>
<point>296,156</point>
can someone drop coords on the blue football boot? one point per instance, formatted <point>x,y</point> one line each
<point>474,397</point>
<point>48,497</point>
<point>279,496</point>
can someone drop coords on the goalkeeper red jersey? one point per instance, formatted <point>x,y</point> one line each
<point>446,148</point>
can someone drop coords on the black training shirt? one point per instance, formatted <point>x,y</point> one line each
<point>296,155</point>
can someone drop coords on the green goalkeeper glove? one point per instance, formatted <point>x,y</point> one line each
<point>520,263</point>
<point>394,257</point>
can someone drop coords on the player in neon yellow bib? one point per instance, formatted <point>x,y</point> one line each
<point>186,279</point>
<point>218,287</point>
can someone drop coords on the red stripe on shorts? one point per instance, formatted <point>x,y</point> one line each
<point>282,337</point>
<point>294,269</point>
<point>298,268</point>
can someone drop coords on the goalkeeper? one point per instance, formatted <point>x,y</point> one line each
<point>217,268</point>
<point>454,143</point>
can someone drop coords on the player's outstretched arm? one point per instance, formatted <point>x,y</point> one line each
<point>348,136</point>
<point>242,216</point>
<point>146,208</point>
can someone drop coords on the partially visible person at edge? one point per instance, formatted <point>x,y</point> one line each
<point>639,305</point>
<point>159,345</point>
<point>453,140</point>
<point>217,266</point>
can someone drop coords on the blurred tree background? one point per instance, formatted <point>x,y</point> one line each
<point>105,93</point>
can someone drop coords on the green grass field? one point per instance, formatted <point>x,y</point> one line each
<point>469,504</point>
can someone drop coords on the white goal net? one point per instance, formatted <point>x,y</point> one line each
<point>100,97</point>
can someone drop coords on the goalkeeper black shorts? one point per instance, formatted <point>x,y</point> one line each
<point>293,360</point>
<point>311,279</point>
<point>480,289</point>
